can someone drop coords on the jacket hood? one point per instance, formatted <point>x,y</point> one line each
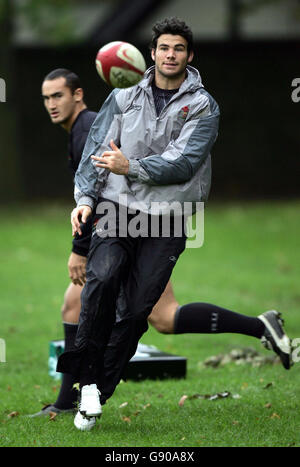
<point>192,82</point>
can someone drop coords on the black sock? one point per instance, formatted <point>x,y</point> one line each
<point>67,397</point>
<point>205,318</point>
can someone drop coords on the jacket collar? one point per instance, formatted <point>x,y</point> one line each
<point>192,83</point>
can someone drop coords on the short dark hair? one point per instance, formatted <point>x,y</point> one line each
<point>172,25</point>
<point>72,80</point>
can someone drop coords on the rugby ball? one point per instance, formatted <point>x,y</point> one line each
<point>120,64</point>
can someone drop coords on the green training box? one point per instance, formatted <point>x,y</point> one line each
<point>148,362</point>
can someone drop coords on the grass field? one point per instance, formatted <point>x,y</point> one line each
<point>250,262</point>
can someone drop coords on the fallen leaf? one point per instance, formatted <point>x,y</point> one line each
<point>136,413</point>
<point>224,394</point>
<point>235,422</point>
<point>199,441</point>
<point>199,396</point>
<point>9,388</point>
<point>268,405</point>
<point>52,415</point>
<point>211,397</point>
<point>146,406</point>
<point>13,414</point>
<point>126,419</point>
<point>37,386</point>
<point>182,400</point>
<point>241,356</point>
<point>267,386</point>
<point>183,438</point>
<point>123,405</point>
<point>219,395</point>
<point>275,415</point>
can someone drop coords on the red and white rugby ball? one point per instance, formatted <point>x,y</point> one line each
<point>120,64</point>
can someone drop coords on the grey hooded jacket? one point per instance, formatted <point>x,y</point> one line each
<point>169,155</point>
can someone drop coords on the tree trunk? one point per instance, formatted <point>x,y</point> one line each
<point>234,19</point>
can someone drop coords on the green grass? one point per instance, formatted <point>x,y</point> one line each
<point>250,262</point>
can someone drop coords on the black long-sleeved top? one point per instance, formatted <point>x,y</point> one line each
<point>78,135</point>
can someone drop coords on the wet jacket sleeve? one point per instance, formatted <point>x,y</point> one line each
<point>182,157</point>
<point>81,243</point>
<point>89,179</point>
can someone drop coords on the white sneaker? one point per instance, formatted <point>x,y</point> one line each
<point>84,424</point>
<point>90,401</point>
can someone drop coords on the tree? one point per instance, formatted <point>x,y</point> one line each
<point>53,19</point>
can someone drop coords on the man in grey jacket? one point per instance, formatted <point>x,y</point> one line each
<point>149,147</point>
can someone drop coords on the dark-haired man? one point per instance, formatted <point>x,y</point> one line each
<point>149,143</point>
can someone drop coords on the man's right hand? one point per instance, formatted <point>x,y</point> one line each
<point>77,268</point>
<point>79,214</point>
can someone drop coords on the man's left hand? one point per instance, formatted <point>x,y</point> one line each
<point>114,160</point>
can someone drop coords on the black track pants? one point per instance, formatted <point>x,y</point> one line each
<point>141,268</point>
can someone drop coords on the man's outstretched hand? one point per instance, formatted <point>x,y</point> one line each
<point>79,214</point>
<point>117,163</point>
